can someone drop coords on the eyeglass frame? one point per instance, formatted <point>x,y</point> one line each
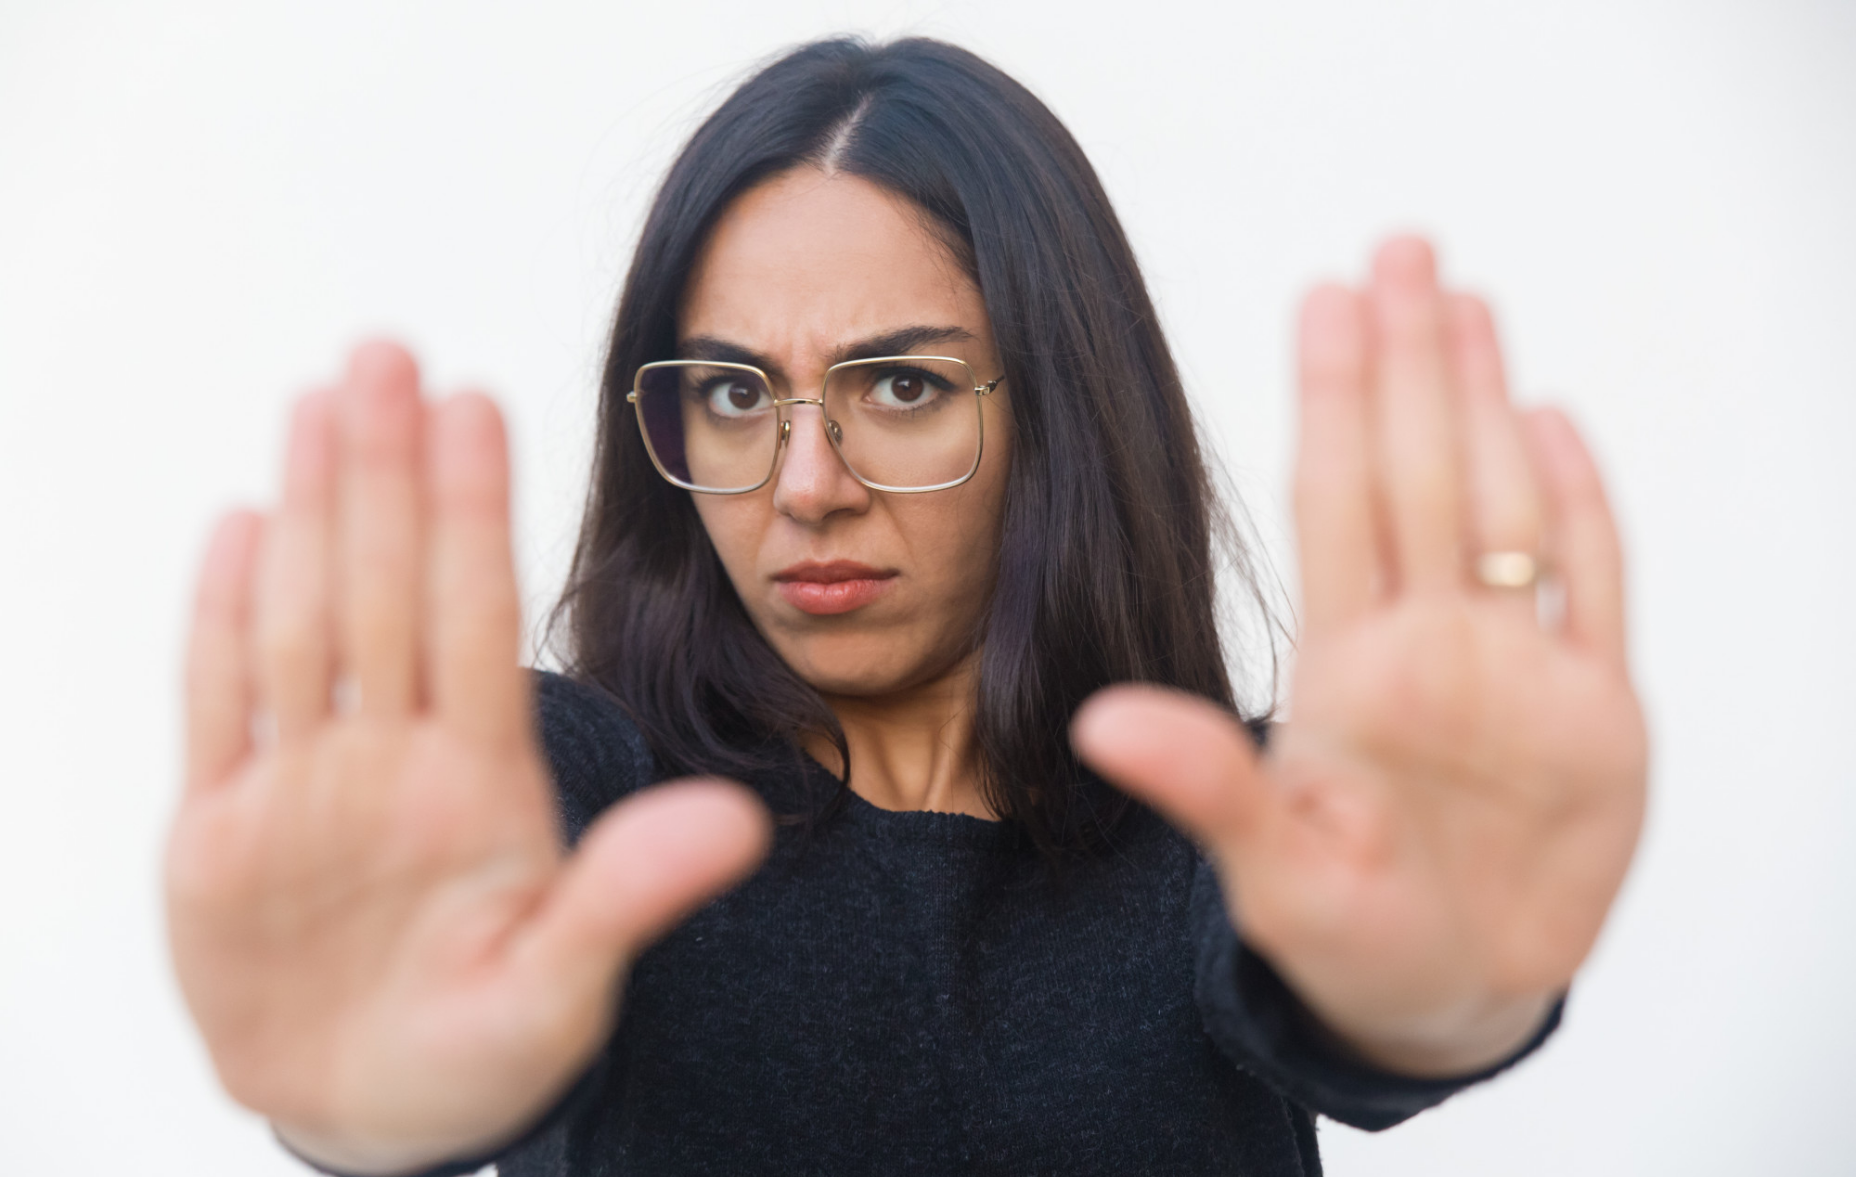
<point>826,423</point>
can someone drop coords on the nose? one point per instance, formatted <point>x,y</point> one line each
<point>812,482</point>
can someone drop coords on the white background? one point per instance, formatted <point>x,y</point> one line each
<point>202,205</point>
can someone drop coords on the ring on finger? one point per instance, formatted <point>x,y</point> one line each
<point>1508,570</point>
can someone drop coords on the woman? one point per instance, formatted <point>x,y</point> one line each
<point>894,473</point>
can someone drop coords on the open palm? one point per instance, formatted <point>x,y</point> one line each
<point>1429,848</point>
<point>373,921</point>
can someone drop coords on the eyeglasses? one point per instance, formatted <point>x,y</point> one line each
<point>904,424</point>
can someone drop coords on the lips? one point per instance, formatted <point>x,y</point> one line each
<point>839,586</point>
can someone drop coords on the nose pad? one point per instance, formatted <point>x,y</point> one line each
<point>810,483</point>
<point>833,431</point>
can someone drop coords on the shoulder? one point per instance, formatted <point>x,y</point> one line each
<point>594,750</point>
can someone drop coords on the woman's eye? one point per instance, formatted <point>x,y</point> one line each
<point>734,398</point>
<point>904,390</point>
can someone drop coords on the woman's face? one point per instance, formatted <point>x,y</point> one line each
<point>862,592</point>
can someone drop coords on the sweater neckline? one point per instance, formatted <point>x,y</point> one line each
<point>919,825</point>
<point>928,825</point>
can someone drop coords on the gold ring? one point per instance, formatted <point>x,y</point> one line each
<point>1508,570</point>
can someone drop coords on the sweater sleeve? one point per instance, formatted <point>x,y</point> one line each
<point>1259,1024</point>
<point>596,757</point>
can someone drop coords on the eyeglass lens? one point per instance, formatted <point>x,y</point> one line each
<point>907,424</point>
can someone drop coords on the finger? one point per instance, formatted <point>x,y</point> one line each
<point>1417,430</point>
<point>1334,466</point>
<point>294,640</point>
<point>1504,492</point>
<point>1586,554</point>
<point>379,487</point>
<point>219,698</point>
<point>476,614</point>
<point>646,864</point>
<point>1190,760</point>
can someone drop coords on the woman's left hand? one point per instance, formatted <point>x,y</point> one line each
<point>1429,847</point>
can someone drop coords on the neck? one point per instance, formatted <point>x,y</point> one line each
<point>912,749</point>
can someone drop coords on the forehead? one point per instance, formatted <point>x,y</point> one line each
<point>805,261</point>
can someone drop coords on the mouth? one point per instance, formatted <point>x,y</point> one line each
<point>839,586</point>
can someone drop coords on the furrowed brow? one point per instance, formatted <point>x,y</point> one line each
<point>721,351</point>
<point>901,342</point>
<point>911,340</point>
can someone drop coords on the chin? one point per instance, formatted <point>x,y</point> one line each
<point>832,676</point>
<point>859,666</point>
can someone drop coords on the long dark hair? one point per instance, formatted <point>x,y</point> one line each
<point>1106,569</point>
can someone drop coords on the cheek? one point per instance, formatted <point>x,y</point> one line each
<point>736,524</point>
<point>963,533</point>
<point>994,479</point>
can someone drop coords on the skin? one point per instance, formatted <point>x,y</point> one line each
<point>1429,850</point>
<point>390,955</point>
<point>796,272</point>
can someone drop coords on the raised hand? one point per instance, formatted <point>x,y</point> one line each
<point>372,917</point>
<point>1429,848</point>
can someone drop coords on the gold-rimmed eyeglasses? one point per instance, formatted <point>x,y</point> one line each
<point>904,424</point>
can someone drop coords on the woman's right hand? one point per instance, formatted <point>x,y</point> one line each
<point>374,923</point>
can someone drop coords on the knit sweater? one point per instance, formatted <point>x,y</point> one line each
<point>911,993</point>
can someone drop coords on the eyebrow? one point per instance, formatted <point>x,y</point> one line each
<point>900,342</point>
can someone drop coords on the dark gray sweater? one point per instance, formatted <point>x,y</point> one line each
<point>913,995</point>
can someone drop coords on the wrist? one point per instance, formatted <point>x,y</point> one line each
<point>1465,1038</point>
<point>349,1157</point>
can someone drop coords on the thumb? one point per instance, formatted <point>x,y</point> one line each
<point>1192,761</point>
<point>647,863</point>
